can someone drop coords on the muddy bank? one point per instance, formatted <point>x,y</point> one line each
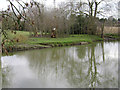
<point>41,46</point>
<point>24,47</point>
<point>110,38</point>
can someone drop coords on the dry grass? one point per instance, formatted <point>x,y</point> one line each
<point>109,30</point>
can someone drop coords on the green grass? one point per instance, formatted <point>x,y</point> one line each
<point>70,39</point>
<point>21,35</point>
<point>11,35</point>
<point>24,38</point>
<point>116,36</point>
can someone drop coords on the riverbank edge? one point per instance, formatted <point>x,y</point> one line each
<point>41,46</point>
<point>26,47</point>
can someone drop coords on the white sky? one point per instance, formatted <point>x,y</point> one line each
<point>111,11</point>
<point>4,3</point>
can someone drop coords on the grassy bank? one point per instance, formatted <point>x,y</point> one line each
<point>72,39</point>
<point>113,36</point>
<point>23,37</point>
<point>26,42</point>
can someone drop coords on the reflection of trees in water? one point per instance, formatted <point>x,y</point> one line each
<point>96,61</point>
<point>6,77</point>
<point>60,61</point>
<point>93,74</point>
<point>81,52</point>
<point>84,74</point>
<point>103,54</point>
<point>43,61</point>
<point>77,64</point>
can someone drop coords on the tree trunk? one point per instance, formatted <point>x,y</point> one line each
<point>102,29</point>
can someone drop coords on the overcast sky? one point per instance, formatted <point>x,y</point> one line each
<point>4,3</point>
<point>111,10</point>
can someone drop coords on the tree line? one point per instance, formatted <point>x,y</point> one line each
<point>67,18</point>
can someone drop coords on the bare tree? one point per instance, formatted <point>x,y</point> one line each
<point>92,13</point>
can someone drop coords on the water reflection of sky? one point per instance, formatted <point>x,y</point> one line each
<point>24,77</point>
<point>76,66</point>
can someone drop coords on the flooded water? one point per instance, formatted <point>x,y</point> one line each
<point>85,66</point>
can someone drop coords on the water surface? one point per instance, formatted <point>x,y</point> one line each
<point>93,65</point>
